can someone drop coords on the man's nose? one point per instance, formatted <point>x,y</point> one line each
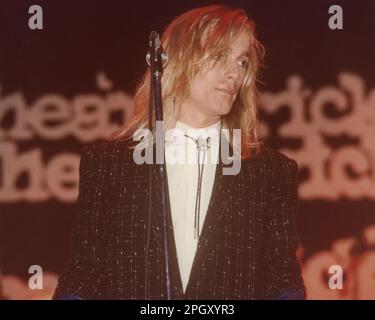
<point>232,70</point>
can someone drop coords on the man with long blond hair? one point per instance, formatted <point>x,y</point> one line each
<point>232,236</point>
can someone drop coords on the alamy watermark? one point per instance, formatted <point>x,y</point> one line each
<point>336,21</point>
<point>36,280</point>
<point>175,152</point>
<point>36,19</point>
<point>336,280</point>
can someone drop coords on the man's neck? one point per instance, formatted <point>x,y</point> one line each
<point>198,120</point>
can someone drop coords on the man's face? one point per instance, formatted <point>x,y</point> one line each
<point>214,90</point>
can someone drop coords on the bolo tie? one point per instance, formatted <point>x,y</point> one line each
<point>202,144</point>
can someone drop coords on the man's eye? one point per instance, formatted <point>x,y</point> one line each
<point>244,63</point>
<point>219,56</point>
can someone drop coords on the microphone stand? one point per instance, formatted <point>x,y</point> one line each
<point>157,60</point>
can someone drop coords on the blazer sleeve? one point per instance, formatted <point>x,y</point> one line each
<point>83,277</point>
<point>283,278</point>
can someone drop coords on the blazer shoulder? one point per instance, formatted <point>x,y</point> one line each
<point>105,150</point>
<point>276,162</point>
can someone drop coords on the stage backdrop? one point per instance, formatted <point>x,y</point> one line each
<point>72,82</point>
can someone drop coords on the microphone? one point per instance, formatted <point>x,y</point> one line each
<point>156,59</point>
<point>155,54</point>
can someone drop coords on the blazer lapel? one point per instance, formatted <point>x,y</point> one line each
<point>176,282</point>
<point>218,202</point>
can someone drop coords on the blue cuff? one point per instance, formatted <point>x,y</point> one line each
<point>67,297</point>
<point>291,294</point>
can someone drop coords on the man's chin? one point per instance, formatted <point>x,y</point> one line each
<point>222,110</point>
<point>226,110</point>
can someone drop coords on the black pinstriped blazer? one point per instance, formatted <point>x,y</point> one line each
<point>247,248</point>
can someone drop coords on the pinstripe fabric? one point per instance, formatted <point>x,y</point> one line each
<point>246,249</point>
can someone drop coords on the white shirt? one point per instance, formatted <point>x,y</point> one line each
<point>182,175</point>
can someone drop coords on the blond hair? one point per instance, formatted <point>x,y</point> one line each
<point>182,41</point>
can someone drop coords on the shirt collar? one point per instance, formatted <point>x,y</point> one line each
<point>185,127</point>
<point>212,131</point>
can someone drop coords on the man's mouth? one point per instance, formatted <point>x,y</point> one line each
<point>225,91</point>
